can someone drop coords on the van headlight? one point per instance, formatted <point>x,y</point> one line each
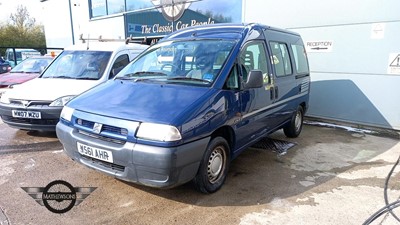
<point>66,113</point>
<point>62,101</point>
<point>158,132</point>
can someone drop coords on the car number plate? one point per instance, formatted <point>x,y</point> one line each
<point>100,154</point>
<point>26,114</point>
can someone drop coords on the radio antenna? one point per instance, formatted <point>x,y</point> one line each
<point>87,46</point>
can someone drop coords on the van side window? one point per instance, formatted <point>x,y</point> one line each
<point>119,64</point>
<point>233,80</point>
<point>280,59</point>
<point>11,56</point>
<point>253,57</point>
<point>300,58</point>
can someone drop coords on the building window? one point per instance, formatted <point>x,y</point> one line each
<point>98,8</point>
<point>135,4</point>
<point>108,7</point>
<point>115,6</point>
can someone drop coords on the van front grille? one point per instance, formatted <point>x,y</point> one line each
<point>108,165</point>
<point>30,121</point>
<point>100,137</point>
<point>105,127</point>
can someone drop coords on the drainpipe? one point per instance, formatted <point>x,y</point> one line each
<point>72,24</point>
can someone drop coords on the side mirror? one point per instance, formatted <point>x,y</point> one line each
<point>255,79</point>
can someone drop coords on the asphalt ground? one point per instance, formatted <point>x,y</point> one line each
<point>329,176</point>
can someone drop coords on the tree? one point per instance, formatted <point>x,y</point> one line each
<point>22,31</point>
<point>21,20</point>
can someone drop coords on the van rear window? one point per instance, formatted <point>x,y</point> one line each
<point>300,58</point>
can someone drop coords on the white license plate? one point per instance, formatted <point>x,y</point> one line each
<point>26,114</point>
<point>96,153</point>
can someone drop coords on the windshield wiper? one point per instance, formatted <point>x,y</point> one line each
<point>189,78</point>
<point>66,77</point>
<point>125,78</point>
<point>150,73</point>
<point>86,78</point>
<point>140,73</point>
<point>134,79</point>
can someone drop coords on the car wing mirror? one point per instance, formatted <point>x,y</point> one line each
<point>255,79</point>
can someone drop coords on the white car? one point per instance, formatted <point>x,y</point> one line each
<point>37,104</point>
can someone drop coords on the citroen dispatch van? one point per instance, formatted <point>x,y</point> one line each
<point>187,106</point>
<point>37,104</point>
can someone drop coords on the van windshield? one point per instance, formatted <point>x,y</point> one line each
<point>194,62</point>
<point>85,65</point>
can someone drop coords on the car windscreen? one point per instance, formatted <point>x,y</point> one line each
<point>32,65</point>
<point>85,65</point>
<point>189,62</point>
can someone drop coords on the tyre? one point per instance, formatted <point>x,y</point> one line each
<point>214,166</point>
<point>293,129</point>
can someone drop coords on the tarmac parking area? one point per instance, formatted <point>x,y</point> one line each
<point>330,176</point>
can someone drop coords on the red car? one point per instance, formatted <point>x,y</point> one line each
<point>26,70</point>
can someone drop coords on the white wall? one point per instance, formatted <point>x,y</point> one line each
<point>307,13</point>
<point>58,28</point>
<point>56,21</point>
<point>112,28</point>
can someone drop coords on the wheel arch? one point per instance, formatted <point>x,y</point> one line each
<point>304,106</point>
<point>228,133</point>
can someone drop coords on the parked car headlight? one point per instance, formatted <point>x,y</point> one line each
<point>66,113</point>
<point>62,101</point>
<point>158,132</point>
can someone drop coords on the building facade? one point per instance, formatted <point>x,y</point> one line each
<point>352,47</point>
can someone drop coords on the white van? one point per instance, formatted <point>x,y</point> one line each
<point>37,104</point>
<point>15,56</point>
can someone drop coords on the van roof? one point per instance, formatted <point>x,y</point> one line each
<point>106,46</point>
<point>23,50</point>
<point>221,30</point>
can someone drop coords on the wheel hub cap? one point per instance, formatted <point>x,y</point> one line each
<point>215,165</point>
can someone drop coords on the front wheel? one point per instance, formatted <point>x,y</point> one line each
<point>293,129</point>
<point>213,167</point>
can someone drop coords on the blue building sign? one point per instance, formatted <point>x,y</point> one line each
<point>161,17</point>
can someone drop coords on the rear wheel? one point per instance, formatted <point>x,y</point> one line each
<point>293,129</point>
<point>213,167</point>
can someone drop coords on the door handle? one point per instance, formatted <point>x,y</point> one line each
<point>276,92</point>
<point>271,91</point>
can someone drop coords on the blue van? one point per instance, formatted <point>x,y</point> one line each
<point>187,106</point>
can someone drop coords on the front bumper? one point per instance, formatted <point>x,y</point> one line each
<point>153,166</point>
<point>49,116</point>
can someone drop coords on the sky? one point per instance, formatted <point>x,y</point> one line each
<point>10,6</point>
